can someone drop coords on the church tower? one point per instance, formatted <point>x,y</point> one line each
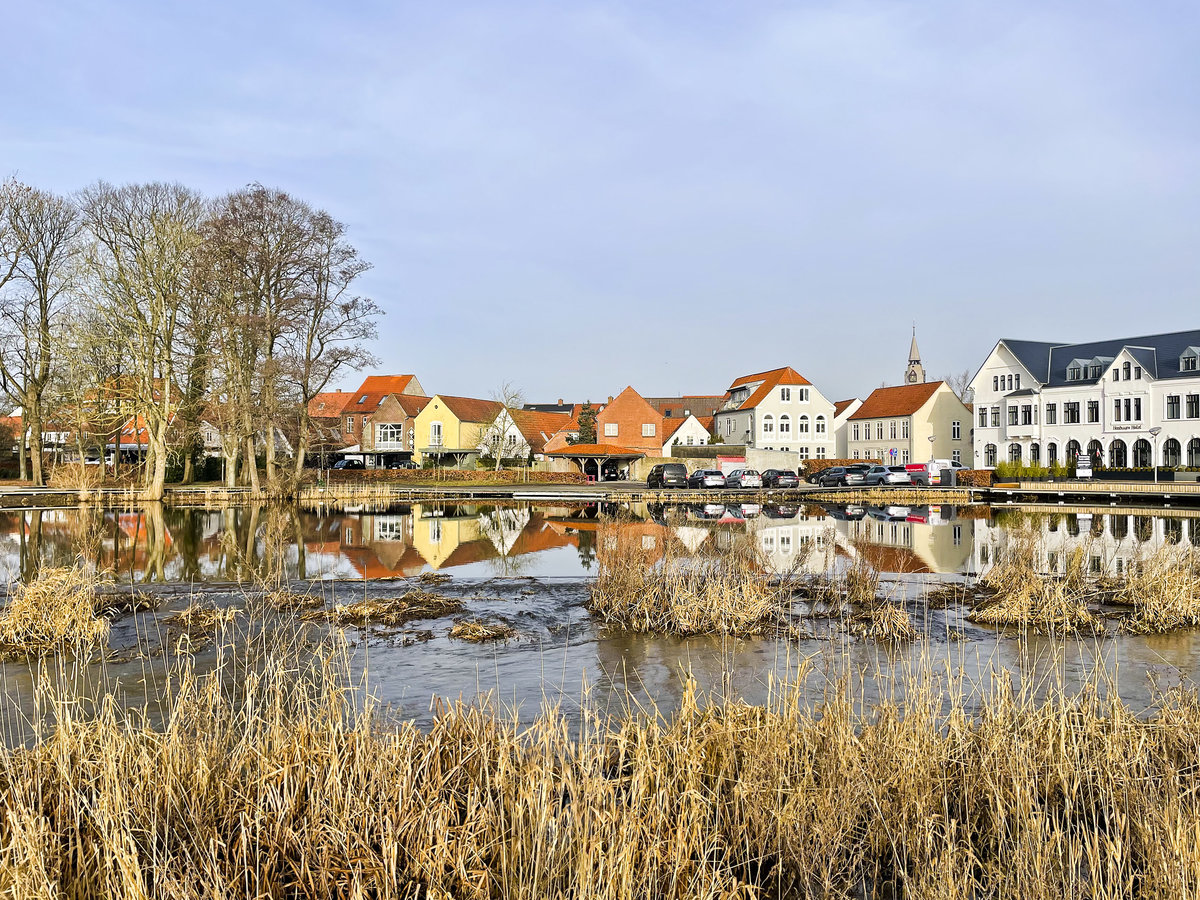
<point>916,372</point>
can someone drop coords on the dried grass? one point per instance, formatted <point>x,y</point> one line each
<point>1164,591</point>
<point>198,626</point>
<point>389,612</point>
<point>477,631</point>
<point>887,622</point>
<point>56,612</point>
<point>664,590</point>
<point>285,788</point>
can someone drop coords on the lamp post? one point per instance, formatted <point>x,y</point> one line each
<point>932,438</point>
<point>1154,450</point>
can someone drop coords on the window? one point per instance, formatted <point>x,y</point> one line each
<point>904,456</point>
<point>768,424</point>
<point>1137,410</point>
<point>803,395</point>
<point>689,440</point>
<point>1188,363</point>
<point>804,426</point>
<point>1071,413</point>
<point>995,383</point>
<point>389,433</point>
<point>820,427</point>
<point>1014,453</point>
<point>820,453</point>
<point>1012,415</point>
<point>785,425</point>
<point>1137,372</point>
<point>1094,372</point>
<point>610,429</point>
<point>995,417</point>
<point>956,456</point>
<point>989,455</point>
<point>804,453</point>
<point>892,429</point>
<point>955,431</point>
<point>1093,411</point>
<point>1127,368</point>
<point>1128,409</point>
<point>1010,382</point>
<point>1075,373</point>
<point>983,417</point>
<point>649,429</point>
<point>1018,380</point>
<point>1051,414</point>
<point>1027,414</point>
<point>1116,374</point>
<point>1173,406</point>
<point>785,394</point>
<point>1193,406</point>
<point>435,434</point>
<point>855,454</point>
<point>1117,410</point>
<point>350,423</point>
<point>879,431</point>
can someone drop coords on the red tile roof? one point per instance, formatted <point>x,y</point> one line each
<point>327,405</point>
<point>770,380</point>
<point>902,400</point>
<point>471,409</point>
<point>538,427</point>
<point>372,391</point>
<point>840,406</point>
<point>670,426</point>
<point>411,404</point>
<point>596,450</point>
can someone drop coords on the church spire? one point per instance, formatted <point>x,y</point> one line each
<point>915,374</point>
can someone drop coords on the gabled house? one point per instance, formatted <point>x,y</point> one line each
<point>361,404</point>
<point>842,411</point>
<point>778,409</point>
<point>451,430</point>
<point>629,421</point>
<point>911,423</point>
<point>389,433</point>
<point>536,430</point>
<point>681,432</point>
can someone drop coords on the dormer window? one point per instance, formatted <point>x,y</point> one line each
<point>1126,368</point>
<point>1074,373</point>
<point>362,399</point>
<point>1094,372</point>
<point>1190,360</point>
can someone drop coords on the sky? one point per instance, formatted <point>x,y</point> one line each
<point>572,197</point>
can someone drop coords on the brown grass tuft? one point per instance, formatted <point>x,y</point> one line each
<point>883,622</point>
<point>56,612</point>
<point>1164,591</point>
<point>389,612</point>
<point>477,631</point>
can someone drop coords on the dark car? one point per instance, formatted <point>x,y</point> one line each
<point>844,476</point>
<point>815,477</point>
<point>706,478</point>
<point>349,464</point>
<point>668,475</point>
<point>780,478</point>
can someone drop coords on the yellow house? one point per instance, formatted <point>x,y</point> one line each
<point>450,429</point>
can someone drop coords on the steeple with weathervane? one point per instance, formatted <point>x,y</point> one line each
<point>916,372</point>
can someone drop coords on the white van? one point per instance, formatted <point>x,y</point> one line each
<point>930,472</point>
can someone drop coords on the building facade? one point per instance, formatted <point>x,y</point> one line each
<point>910,423</point>
<point>1128,402</point>
<point>777,410</point>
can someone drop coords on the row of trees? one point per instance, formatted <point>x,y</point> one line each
<point>152,304</point>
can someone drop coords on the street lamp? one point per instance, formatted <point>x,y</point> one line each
<point>932,438</point>
<point>1154,450</point>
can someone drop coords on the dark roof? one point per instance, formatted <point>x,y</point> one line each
<point>1157,354</point>
<point>1024,392</point>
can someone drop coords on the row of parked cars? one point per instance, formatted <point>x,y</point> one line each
<point>665,475</point>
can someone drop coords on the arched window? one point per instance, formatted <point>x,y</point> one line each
<point>1118,454</point>
<point>1051,453</point>
<point>1035,454</point>
<point>820,424</point>
<point>802,425</point>
<point>1194,452</point>
<point>989,455</point>
<point>785,424</point>
<point>1014,453</point>
<point>768,423</point>
<point>1072,451</point>
<point>1171,452</point>
<point>1096,452</point>
<point>1142,453</point>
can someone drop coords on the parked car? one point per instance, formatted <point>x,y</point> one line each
<point>928,473</point>
<point>815,477</point>
<point>349,464</point>
<point>706,478</point>
<point>743,478</point>
<point>780,478</point>
<point>887,475</point>
<point>843,476</point>
<point>666,475</point>
<point>404,464</point>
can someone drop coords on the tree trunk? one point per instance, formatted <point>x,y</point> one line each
<point>23,467</point>
<point>271,456</point>
<point>252,465</point>
<point>189,474</point>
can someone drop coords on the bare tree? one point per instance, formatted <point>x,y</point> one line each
<point>39,249</point>
<point>143,255</point>
<point>493,435</point>
<point>960,384</point>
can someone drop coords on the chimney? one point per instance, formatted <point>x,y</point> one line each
<point>560,401</point>
<point>610,399</point>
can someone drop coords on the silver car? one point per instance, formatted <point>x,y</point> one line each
<point>887,475</point>
<point>743,478</point>
<point>706,478</point>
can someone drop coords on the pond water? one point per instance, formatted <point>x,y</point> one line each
<point>530,566</point>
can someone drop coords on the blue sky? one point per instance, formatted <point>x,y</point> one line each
<point>573,197</point>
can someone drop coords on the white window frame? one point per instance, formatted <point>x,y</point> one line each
<point>435,434</point>
<point>610,429</point>
<point>956,431</point>
<point>785,395</point>
<point>649,429</point>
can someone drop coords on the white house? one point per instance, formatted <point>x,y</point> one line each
<point>777,410</point>
<point>689,432</point>
<point>1126,401</point>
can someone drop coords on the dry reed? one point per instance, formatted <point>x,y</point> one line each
<point>654,587</point>
<point>389,612</point>
<point>1164,591</point>
<point>55,612</point>
<point>285,788</point>
<point>477,632</point>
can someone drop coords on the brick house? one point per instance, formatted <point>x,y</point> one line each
<point>629,421</point>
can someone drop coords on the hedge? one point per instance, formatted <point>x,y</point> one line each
<point>460,476</point>
<point>809,466</point>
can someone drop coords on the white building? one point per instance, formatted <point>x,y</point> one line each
<point>1126,401</point>
<point>777,410</point>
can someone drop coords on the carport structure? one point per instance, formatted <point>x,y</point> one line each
<point>592,458</point>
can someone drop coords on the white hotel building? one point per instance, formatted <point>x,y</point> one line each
<point>1039,402</point>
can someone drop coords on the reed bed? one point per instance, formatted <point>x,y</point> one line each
<point>1164,591</point>
<point>656,587</point>
<point>389,612</point>
<point>55,612</point>
<point>289,787</point>
<point>476,631</point>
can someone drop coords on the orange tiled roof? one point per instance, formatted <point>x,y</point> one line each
<point>471,409</point>
<point>538,427</point>
<point>596,450</point>
<point>840,406</point>
<point>707,422</point>
<point>327,405</point>
<point>902,400</point>
<point>770,380</point>
<point>670,426</point>
<point>384,384</point>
